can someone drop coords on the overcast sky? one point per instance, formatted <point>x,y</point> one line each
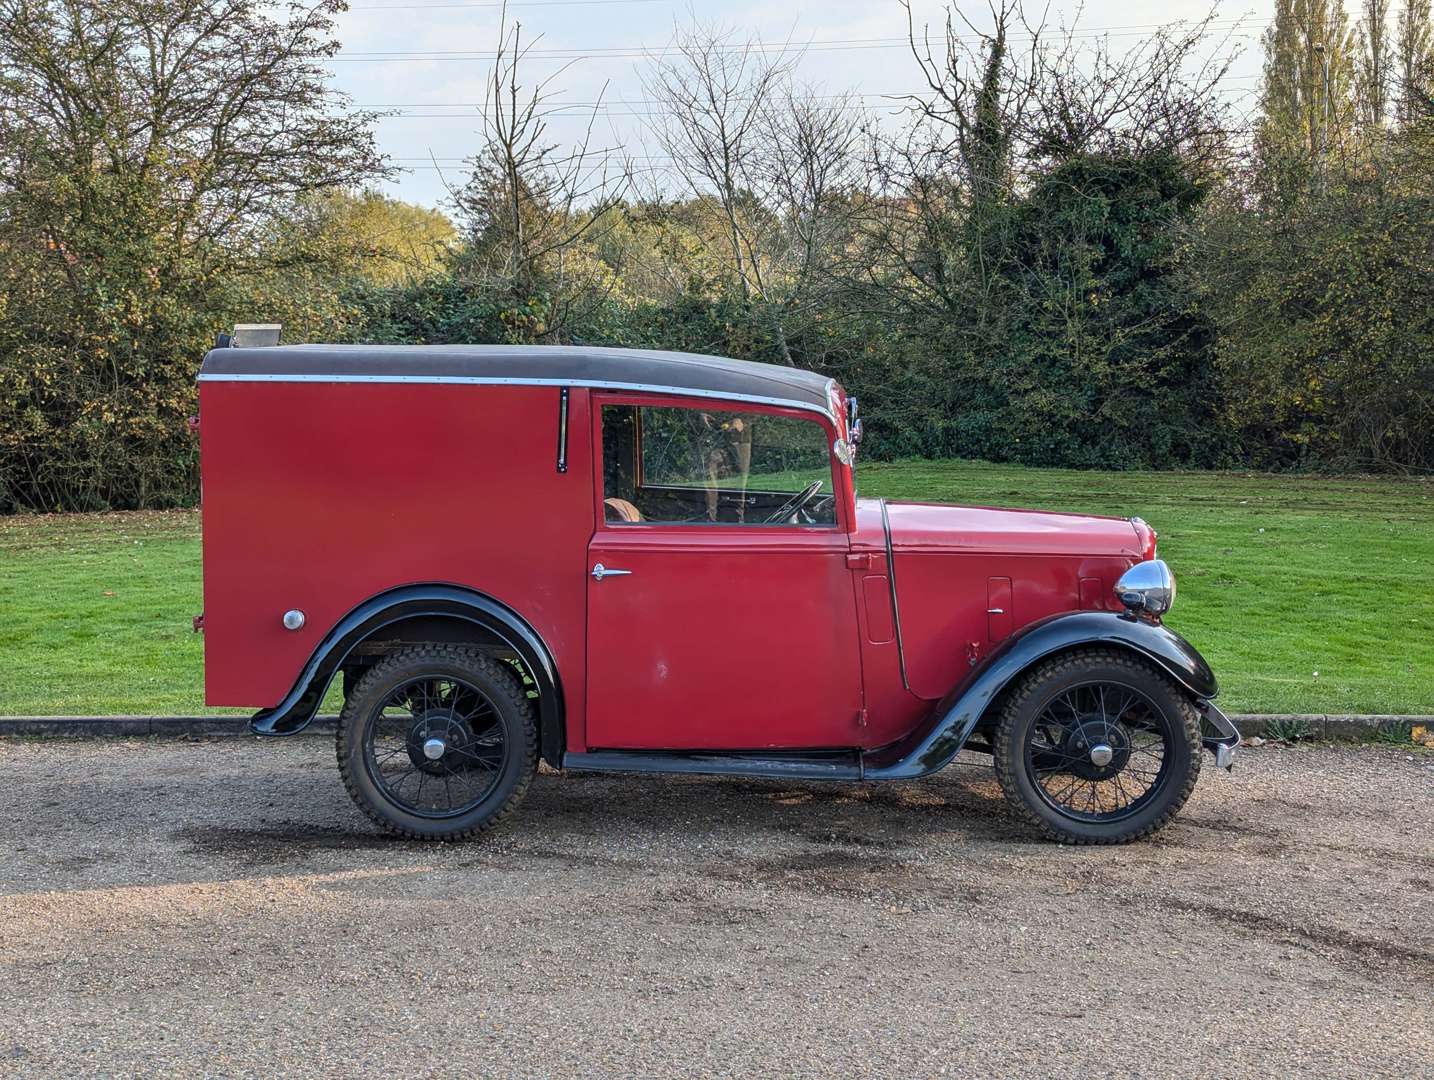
<point>856,45</point>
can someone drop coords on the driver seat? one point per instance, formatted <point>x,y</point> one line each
<point>621,510</point>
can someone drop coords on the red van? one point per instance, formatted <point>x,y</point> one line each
<point>648,561</point>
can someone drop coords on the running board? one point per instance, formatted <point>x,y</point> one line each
<point>796,765</point>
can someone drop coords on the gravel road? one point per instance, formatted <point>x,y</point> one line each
<point>219,908</point>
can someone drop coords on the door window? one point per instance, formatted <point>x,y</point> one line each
<point>698,466</point>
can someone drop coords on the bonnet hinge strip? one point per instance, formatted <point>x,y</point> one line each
<point>891,584</point>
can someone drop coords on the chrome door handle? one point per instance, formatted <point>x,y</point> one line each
<point>600,571</point>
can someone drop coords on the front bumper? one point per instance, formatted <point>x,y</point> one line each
<point>1219,736</point>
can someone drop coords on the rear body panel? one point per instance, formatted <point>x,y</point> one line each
<point>319,496</point>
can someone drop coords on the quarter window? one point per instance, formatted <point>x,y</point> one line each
<point>712,466</point>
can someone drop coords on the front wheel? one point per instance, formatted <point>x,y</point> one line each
<point>1097,747</point>
<point>437,742</point>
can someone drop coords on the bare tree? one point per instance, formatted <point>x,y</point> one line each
<point>780,163</point>
<point>711,91</point>
<point>979,95</point>
<point>1162,94</point>
<point>808,170</point>
<point>1008,97</point>
<point>533,206</point>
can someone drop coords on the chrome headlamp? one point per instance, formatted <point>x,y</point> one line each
<point>1147,588</point>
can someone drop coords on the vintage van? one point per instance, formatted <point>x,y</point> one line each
<point>658,562</point>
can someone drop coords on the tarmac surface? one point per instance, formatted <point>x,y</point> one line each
<point>218,907</point>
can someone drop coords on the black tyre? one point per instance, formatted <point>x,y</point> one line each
<point>1097,747</point>
<point>437,742</point>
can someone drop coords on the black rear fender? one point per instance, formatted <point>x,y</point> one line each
<point>422,613</point>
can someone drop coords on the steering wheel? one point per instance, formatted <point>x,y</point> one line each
<point>795,503</point>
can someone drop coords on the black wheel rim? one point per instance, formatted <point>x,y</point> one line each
<point>436,746</point>
<point>1099,752</point>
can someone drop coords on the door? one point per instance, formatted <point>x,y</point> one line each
<point>721,613</point>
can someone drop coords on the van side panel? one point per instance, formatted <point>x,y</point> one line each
<point>317,496</point>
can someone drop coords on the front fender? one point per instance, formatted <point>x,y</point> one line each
<point>935,743</point>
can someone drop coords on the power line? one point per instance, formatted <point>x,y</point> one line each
<point>611,103</point>
<point>614,52</point>
<point>581,110</point>
<point>618,101</point>
<point>626,52</point>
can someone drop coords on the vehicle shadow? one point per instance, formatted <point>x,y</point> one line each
<point>964,800</point>
<point>711,824</point>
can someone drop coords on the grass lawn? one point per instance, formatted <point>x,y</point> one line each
<point>1306,594</point>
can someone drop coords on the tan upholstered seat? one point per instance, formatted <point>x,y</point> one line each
<point>621,510</point>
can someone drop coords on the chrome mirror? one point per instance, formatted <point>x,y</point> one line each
<point>853,420</point>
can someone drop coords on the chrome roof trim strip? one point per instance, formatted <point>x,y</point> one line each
<point>478,380</point>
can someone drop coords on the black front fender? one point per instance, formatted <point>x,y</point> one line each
<point>936,742</point>
<point>294,713</point>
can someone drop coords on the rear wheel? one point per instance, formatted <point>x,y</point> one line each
<point>437,742</point>
<point>1097,747</point>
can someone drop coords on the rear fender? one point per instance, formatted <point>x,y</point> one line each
<point>297,709</point>
<point>951,723</point>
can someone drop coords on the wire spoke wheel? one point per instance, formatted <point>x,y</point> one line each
<point>435,746</point>
<point>437,742</point>
<point>1097,747</point>
<point>1099,751</point>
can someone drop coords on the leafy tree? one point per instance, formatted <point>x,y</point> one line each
<point>318,265</point>
<point>368,237</point>
<point>1325,313</point>
<point>1307,102</point>
<point>1414,49</point>
<point>1375,75</point>
<point>144,146</point>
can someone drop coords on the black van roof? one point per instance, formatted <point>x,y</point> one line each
<point>530,365</point>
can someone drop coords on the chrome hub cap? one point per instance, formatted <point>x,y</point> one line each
<point>1100,751</point>
<point>1096,748</point>
<point>436,746</point>
<point>439,741</point>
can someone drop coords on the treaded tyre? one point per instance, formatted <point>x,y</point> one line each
<point>1097,747</point>
<point>437,742</point>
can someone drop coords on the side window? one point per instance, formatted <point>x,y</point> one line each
<point>711,466</point>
